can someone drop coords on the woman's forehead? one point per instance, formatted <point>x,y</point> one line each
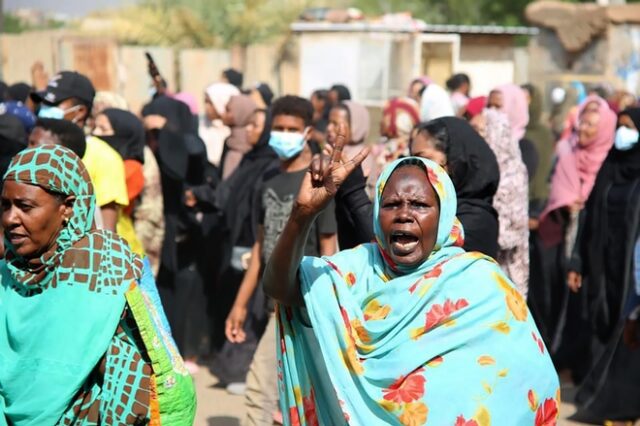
<point>407,173</point>
<point>22,190</point>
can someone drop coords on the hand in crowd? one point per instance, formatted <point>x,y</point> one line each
<point>153,121</point>
<point>190,199</point>
<point>39,77</point>
<point>574,281</point>
<point>326,173</point>
<point>631,334</point>
<point>234,327</point>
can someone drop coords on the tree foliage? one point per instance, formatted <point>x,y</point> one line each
<point>13,24</point>
<point>224,23</point>
<point>240,22</point>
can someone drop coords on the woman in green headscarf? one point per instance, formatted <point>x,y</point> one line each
<point>83,338</point>
<point>543,140</point>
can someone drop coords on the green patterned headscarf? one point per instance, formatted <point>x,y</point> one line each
<point>58,170</point>
<point>60,313</point>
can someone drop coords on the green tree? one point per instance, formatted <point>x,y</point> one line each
<point>13,24</point>
<point>240,22</point>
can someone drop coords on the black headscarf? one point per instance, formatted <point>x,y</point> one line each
<point>247,179</point>
<point>171,148</point>
<point>343,92</point>
<point>265,93</point>
<point>261,148</point>
<point>237,200</point>
<point>128,138</point>
<point>233,77</point>
<point>472,165</point>
<point>178,115</point>
<point>12,140</point>
<point>182,161</point>
<point>474,171</point>
<point>612,225</point>
<point>622,166</point>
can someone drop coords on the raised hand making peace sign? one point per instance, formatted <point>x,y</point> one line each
<point>326,173</point>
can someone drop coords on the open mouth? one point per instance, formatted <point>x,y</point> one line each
<point>403,242</point>
<point>16,239</point>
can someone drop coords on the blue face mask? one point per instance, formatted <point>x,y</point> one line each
<point>55,112</point>
<point>626,138</point>
<point>48,111</point>
<point>287,144</point>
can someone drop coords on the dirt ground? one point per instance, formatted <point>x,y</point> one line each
<point>217,408</point>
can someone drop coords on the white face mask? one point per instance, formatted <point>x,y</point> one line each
<point>626,138</point>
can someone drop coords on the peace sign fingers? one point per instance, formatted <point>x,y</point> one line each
<point>338,146</point>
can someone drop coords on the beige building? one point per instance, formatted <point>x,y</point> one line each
<point>378,61</point>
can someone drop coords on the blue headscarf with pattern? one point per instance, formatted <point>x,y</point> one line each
<point>449,341</point>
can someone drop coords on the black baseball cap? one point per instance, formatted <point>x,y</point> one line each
<point>65,85</point>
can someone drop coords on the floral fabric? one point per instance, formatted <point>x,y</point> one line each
<point>450,341</point>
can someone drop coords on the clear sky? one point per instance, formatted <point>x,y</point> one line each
<point>68,7</point>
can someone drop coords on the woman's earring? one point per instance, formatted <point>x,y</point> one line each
<point>65,221</point>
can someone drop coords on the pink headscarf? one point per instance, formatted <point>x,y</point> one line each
<point>189,100</point>
<point>360,123</point>
<point>423,79</point>
<point>576,169</point>
<point>515,105</point>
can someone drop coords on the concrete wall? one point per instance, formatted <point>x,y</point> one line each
<point>19,51</point>
<point>488,60</point>
<point>198,68</point>
<point>123,69</point>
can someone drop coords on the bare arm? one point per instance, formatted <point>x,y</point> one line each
<point>328,244</point>
<point>235,321</point>
<point>109,216</point>
<point>281,273</point>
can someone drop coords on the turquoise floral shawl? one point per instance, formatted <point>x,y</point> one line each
<point>450,342</point>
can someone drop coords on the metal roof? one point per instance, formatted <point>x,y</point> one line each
<point>416,26</point>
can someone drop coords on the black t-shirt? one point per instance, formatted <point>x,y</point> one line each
<point>278,196</point>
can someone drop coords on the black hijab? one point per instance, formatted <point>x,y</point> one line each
<point>611,228</point>
<point>474,171</point>
<point>472,164</point>
<point>170,147</point>
<point>243,185</point>
<point>128,138</point>
<point>261,148</point>
<point>182,161</point>
<point>623,166</point>
<point>12,140</point>
<point>178,114</point>
<point>343,92</point>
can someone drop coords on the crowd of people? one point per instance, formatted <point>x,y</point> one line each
<point>477,248</point>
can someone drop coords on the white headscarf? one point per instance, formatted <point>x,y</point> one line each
<point>435,103</point>
<point>220,94</point>
<point>214,133</point>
